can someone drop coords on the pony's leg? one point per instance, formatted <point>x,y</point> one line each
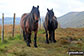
<point>53,36</point>
<point>30,37</point>
<point>35,38</point>
<point>24,36</point>
<point>50,36</point>
<point>27,36</point>
<point>47,41</point>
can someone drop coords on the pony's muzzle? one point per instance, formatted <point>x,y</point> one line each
<point>36,21</point>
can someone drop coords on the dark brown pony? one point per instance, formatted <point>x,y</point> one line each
<point>50,24</point>
<point>29,23</point>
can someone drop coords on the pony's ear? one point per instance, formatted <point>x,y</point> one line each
<point>47,9</point>
<point>52,9</point>
<point>33,7</point>
<point>38,6</point>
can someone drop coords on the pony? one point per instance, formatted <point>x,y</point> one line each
<point>50,24</point>
<point>29,23</point>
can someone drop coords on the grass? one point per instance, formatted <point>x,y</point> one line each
<point>17,47</point>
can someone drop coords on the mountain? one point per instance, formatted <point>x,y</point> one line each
<point>72,20</point>
<point>9,20</point>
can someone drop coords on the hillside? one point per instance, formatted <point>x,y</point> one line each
<point>72,19</point>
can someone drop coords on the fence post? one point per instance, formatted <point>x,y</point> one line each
<point>13,25</point>
<point>2,34</point>
<point>40,23</point>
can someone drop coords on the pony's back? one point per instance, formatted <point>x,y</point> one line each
<point>22,20</point>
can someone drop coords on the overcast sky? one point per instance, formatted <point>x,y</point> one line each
<point>60,7</point>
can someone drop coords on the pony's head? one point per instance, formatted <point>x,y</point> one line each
<point>35,13</point>
<point>50,14</point>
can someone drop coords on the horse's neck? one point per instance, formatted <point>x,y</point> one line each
<point>46,18</point>
<point>30,19</point>
<point>54,19</point>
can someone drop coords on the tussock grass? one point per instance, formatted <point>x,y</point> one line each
<point>17,47</point>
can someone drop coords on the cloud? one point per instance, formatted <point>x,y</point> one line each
<point>76,5</point>
<point>60,7</point>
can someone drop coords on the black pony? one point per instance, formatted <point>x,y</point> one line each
<point>50,24</point>
<point>29,23</point>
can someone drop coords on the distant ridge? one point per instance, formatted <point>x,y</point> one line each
<point>9,20</point>
<point>72,20</point>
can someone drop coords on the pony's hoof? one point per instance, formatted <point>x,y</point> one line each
<point>28,45</point>
<point>35,46</point>
<point>50,41</point>
<point>30,41</point>
<point>54,41</point>
<point>47,42</point>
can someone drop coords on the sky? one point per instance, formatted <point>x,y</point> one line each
<point>60,7</point>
